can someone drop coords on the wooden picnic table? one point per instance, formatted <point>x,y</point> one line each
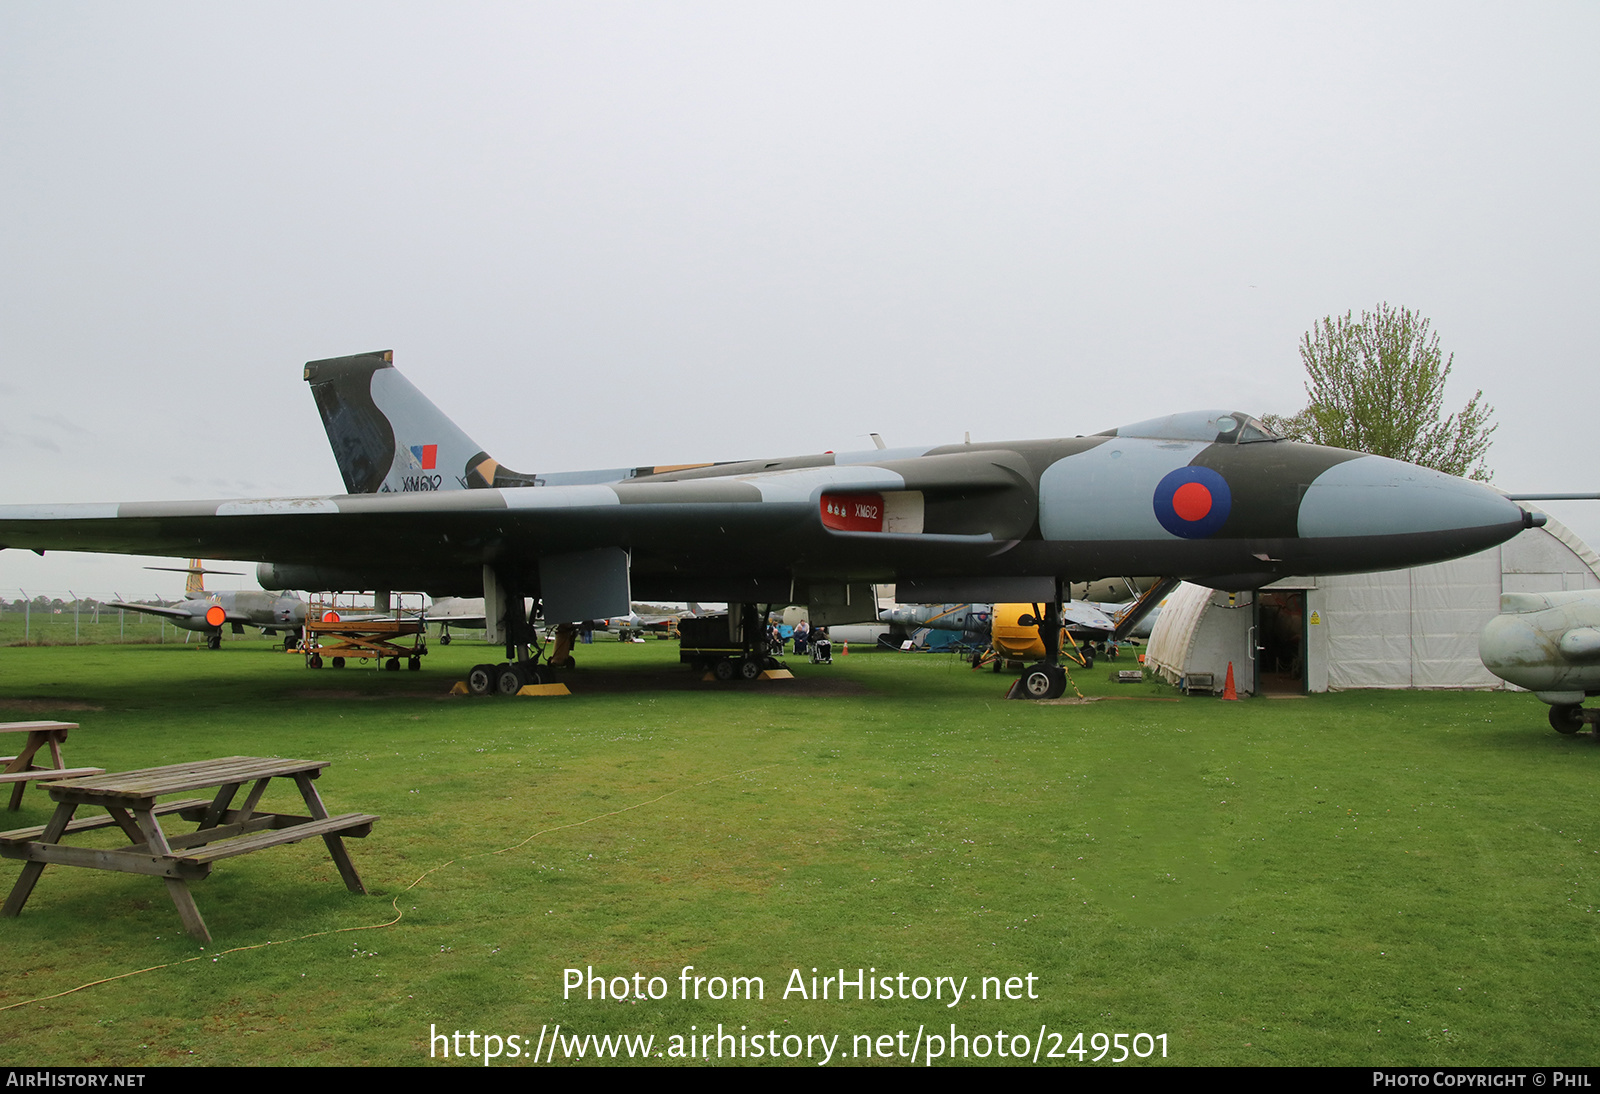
<point>20,770</point>
<point>129,799</point>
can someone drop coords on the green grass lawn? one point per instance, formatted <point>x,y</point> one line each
<point>1361,878</point>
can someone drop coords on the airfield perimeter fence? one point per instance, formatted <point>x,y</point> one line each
<point>54,621</point>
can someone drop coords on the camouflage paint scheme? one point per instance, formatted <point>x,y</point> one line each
<point>1207,496</point>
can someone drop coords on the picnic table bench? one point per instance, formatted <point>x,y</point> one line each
<point>19,770</point>
<point>129,799</point>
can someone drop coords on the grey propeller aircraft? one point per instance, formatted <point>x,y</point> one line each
<point>208,613</point>
<point>1548,643</point>
<point>1211,496</point>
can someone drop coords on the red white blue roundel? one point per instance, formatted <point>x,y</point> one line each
<point>1192,502</point>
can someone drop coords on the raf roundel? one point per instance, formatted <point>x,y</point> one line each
<point>1193,502</point>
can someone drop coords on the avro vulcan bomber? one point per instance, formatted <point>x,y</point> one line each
<point>1209,496</point>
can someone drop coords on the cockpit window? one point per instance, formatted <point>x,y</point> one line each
<point>1211,426</point>
<point>1257,430</point>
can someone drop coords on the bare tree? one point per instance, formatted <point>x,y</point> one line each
<point>1376,384</point>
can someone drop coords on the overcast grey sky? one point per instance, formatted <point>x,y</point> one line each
<point>613,234</point>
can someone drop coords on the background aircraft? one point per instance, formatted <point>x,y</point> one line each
<point>208,613</point>
<point>1211,495</point>
<point>968,619</point>
<point>1016,633</point>
<point>459,611</point>
<point>1548,643</point>
<point>468,611</point>
<point>1087,620</point>
<point>625,627</point>
<point>1000,626</point>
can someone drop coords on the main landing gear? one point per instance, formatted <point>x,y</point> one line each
<point>1045,682</point>
<point>506,678</point>
<point>1047,679</point>
<point>521,668</point>
<point>1568,718</point>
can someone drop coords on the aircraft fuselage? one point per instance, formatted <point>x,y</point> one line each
<point>1202,496</point>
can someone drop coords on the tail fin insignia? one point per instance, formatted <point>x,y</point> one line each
<point>388,437</point>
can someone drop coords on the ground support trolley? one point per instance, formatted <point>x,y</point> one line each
<point>713,644</point>
<point>335,641</point>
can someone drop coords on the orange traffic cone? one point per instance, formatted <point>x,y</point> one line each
<point>1228,690</point>
<point>846,652</point>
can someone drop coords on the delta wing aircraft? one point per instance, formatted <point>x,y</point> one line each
<point>1212,496</point>
<point>208,613</point>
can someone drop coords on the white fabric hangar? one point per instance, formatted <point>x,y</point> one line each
<point>1415,628</point>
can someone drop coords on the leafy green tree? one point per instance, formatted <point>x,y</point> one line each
<point>1376,384</point>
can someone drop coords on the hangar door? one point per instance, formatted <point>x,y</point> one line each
<point>1281,641</point>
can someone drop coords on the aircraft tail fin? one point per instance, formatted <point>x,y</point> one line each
<point>388,437</point>
<point>194,586</point>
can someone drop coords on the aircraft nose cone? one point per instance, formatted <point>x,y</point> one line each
<point>1518,652</point>
<point>1371,496</point>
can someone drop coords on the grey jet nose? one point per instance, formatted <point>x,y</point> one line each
<point>1515,650</point>
<point>1371,500</point>
<point>1548,643</point>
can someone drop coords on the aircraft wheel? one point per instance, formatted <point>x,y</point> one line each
<point>290,640</point>
<point>480,681</point>
<point>1567,718</point>
<point>724,670</point>
<point>444,639</point>
<point>338,662</point>
<point>750,668</point>
<point>315,662</point>
<point>508,679</point>
<point>414,663</point>
<point>392,665</point>
<point>213,641</point>
<point>1088,658</point>
<point>570,663</point>
<point>1039,682</point>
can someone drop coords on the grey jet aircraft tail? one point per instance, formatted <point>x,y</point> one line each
<point>388,437</point>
